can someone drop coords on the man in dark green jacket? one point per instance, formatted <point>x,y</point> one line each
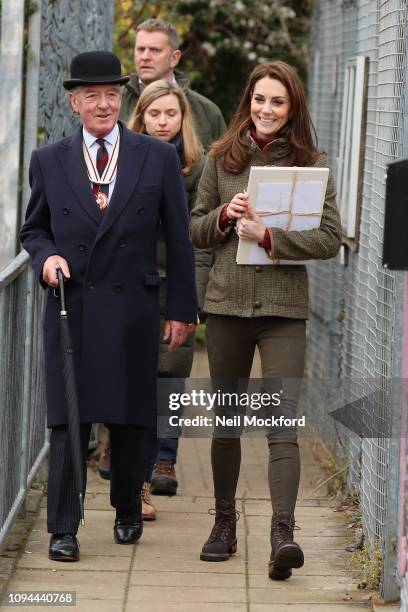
<point>157,54</point>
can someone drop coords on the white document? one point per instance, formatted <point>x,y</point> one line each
<point>289,198</point>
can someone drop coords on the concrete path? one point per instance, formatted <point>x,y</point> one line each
<point>163,572</point>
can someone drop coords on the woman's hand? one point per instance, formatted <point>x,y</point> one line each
<point>250,227</point>
<point>238,206</point>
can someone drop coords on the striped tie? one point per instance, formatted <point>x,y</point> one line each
<point>102,159</point>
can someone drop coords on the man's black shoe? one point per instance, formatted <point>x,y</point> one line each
<point>63,547</point>
<point>127,531</point>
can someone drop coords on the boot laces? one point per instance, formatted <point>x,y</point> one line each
<point>283,526</point>
<point>224,520</point>
<point>164,466</point>
<point>145,493</point>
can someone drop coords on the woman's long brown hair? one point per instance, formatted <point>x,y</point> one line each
<point>234,146</point>
<point>193,150</point>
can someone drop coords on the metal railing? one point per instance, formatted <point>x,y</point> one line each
<point>23,434</point>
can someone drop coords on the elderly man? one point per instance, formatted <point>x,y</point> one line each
<point>97,199</point>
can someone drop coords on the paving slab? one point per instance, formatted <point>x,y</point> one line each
<point>301,596</point>
<point>316,607</point>
<point>187,562</point>
<point>81,605</point>
<point>91,563</point>
<point>187,594</point>
<point>88,585</point>
<point>188,607</point>
<point>195,579</point>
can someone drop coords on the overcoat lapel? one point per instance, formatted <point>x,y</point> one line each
<point>73,165</point>
<point>130,162</point>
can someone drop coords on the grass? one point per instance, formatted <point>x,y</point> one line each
<point>367,564</point>
<point>336,471</point>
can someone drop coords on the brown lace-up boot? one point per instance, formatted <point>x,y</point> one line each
<point>148,509</point>
<point>104,463</point>
<point>164,481</point>
<point>285,554</point>
<point>222,542</point>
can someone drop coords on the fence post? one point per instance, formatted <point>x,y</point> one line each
<point>11,70</point>
<point>390,582</point>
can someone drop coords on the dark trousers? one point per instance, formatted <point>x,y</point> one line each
<point>162,448</point>
<point>129,449</point>
<point>169,382</point>
<point>231,343</point>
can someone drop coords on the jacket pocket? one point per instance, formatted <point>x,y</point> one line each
<point>152,279</point>
<point>148,189</point>
<point>217,283</point>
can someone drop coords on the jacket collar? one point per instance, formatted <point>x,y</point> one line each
<point>134,85</point>
<point>277,149</point>
<point>130,162</point>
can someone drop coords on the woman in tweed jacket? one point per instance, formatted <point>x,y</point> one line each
<point>263,306</point>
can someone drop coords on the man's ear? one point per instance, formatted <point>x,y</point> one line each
<point>72,101</point>
<point>175,58</point>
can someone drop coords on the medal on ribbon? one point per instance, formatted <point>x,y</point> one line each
<point>108,174</point>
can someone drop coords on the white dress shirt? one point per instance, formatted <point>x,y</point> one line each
<point>93,147</point>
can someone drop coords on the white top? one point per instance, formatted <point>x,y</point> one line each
<point>93,146</point>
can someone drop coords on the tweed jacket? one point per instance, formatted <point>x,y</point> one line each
<point>255,291</point>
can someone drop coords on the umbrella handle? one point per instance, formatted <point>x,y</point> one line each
<point>60,276</point>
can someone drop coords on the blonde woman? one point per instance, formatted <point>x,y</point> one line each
<point>163,112</point>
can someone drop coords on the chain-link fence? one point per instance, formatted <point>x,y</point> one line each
<point>355,329</point>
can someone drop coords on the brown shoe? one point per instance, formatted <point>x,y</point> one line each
<point>222,542</point>
<point>148,510</point>
<point>164,481</point>
<point>104,463</point>
<point>286,554</point>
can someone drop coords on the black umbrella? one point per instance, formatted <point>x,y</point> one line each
<point>71,396</point>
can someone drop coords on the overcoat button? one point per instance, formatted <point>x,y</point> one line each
<point>258,269</point>
<point>140,211</point>
<point>82,247</point>
<point>257,304</point>
<point>65,211</point>
<point>90,286</point>
<point>118,288</point>
<point>122,244</point>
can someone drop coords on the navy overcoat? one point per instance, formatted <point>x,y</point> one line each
<point>113,294</point>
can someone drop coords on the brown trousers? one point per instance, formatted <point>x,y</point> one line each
<point>231,343</point>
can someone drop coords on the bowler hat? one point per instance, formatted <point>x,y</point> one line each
<point>95,68</point>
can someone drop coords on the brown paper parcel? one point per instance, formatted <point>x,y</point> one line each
<point>290,198</point>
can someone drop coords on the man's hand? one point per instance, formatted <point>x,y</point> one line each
<point>251,227</point>
<point>177,331</point>
<point>50,268</point>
